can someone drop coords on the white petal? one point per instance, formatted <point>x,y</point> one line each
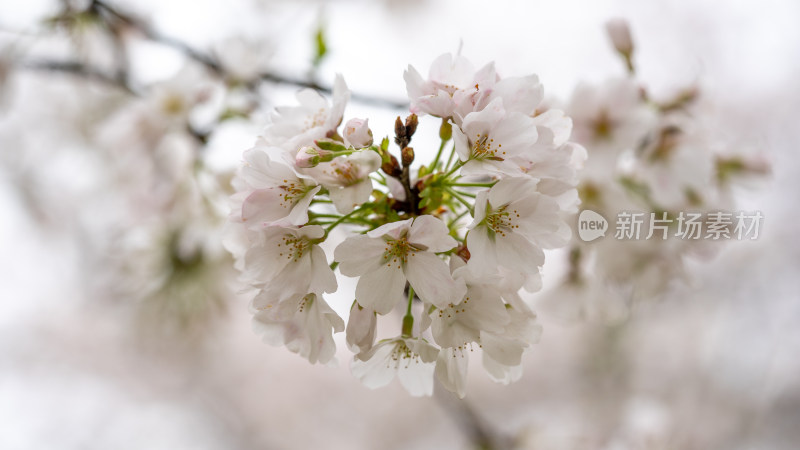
<point>431,233</point>
<point>505,351</point>
<point>377,369</point>
<point>430,277</point>
<point>416,377</point>
<point>381,289</point>
<point>451,370</point>
<point>359,254</point>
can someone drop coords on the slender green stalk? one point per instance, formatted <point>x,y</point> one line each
<point>456,166</point>
<point>408,319</point>
<point>473,184</point>
<point>438,155</point>
<point>461,199</point>
<point>338,221</point>
<point>450,158</point>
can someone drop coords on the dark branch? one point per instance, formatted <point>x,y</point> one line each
<point>81,70</point>
<point>215,67</point>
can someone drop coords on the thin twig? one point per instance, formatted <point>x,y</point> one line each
<point>217,68</point>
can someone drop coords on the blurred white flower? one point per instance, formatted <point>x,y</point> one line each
<point>304,324</point>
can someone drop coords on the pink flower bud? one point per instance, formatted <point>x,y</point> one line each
<point>357,133</point>
<point>620,35</point>
<point>307,157</point>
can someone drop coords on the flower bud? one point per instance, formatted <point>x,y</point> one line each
<point>407,156</point>
<point>620,35</point>
<point>411,125</point>
<point>445,131</point>
<point>392,168</point>
<point>357,133</point>
<point>308,157</point>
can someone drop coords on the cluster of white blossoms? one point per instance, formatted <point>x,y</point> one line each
<point>442,248</point>
<point>644,155</point>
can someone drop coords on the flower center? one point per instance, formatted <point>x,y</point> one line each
<point>484,148</point>
<point>397,251</point>
<point>501,220</point>
<point>346,173</point>
<point>402,353</point>
<point>293,190</point>
<point>293,248</point>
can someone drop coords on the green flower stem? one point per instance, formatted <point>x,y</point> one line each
<point>338,221</point>
<point>450,158</point>
<point>461,199</point>
<point>455,219</point>
<point>408,319</point>
<point>456,166</point>
<point>438,155</point>
<point>473,184</point>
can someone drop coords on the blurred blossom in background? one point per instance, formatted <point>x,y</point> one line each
<point>122,124</point>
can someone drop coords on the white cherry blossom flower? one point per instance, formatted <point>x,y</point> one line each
<point>304,324</point>
<point>347,178</point>
<point>518,94</point>
<point>387,256</point>
<point>512,223</point>
<point>458,325</point>
<point>271,192</point>
<point>286,261</point>
<point>357,133</point>
<point>502,352</point>
<point>489,139</point>
<point>412,360</point>
<point>448,76</point>
<point>292,127</point>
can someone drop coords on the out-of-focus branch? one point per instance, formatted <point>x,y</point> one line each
<point>211,63</point>
<point>81,70</point>
<point>479,432</point>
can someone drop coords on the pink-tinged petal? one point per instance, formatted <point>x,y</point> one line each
<point>439,104</point>
<point>299,213</point>
<point>264,207</point>
<point>431,234</point>
<point>520,94</point>
<point>454,71</point>
<point>430,277</point>
<point>359,254</point>
<point>381,289</point>
<point>481,122</point>
<point>415,85</point>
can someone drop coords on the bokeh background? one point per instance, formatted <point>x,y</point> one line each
<point>86,362</point>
